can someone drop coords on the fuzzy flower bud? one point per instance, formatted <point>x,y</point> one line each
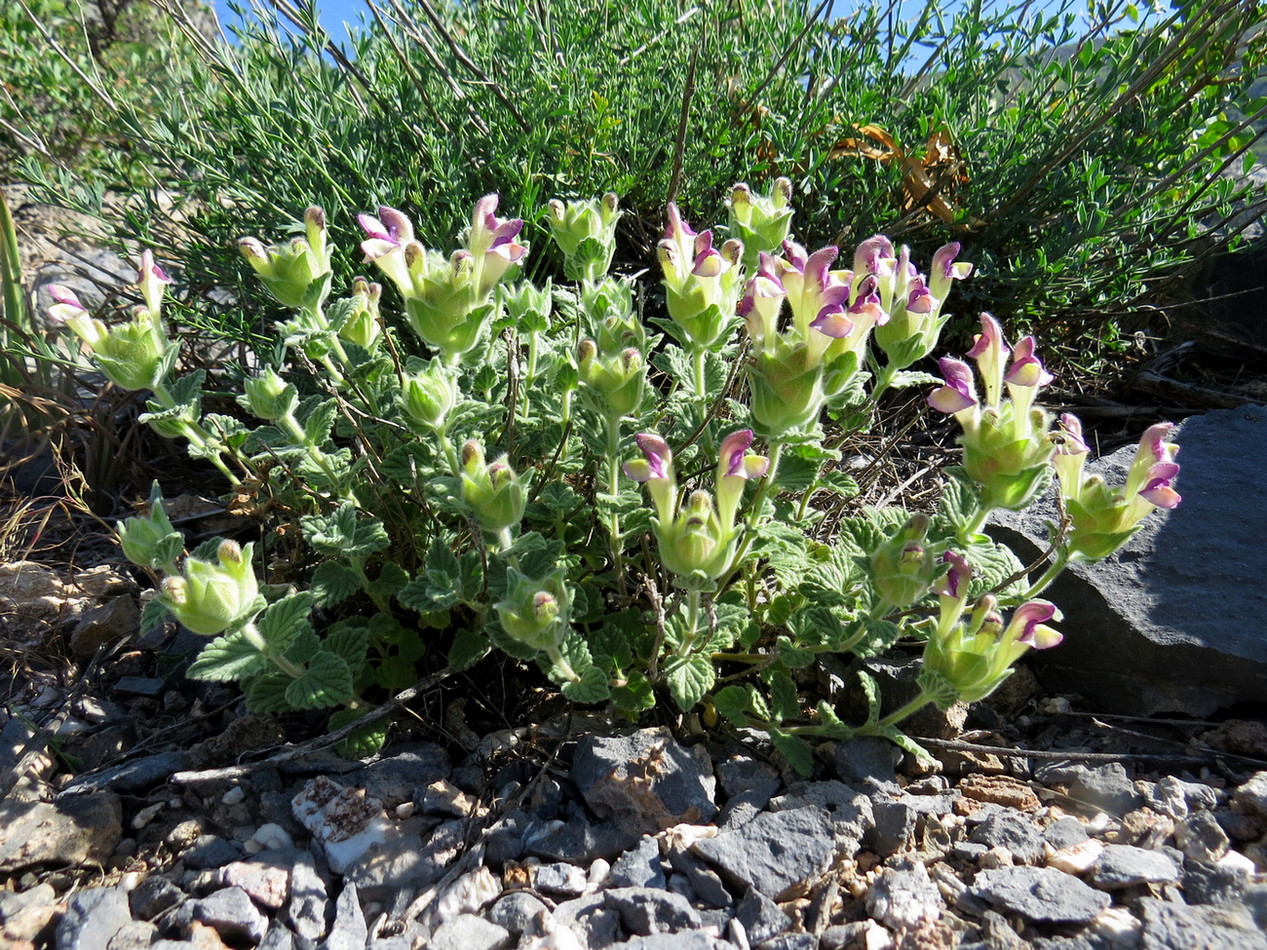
<point>429,393</point>
<point>535,612</point>
<point>208,597</point>
<point>585,232</point>
<point>493,492</point>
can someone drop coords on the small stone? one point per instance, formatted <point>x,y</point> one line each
<point>517,912</point>
<point>29,915</point>
<point>1065,833</point>
<point>230,912</point>
<point>469,894</point>
<point>92,918</point>
<point>639,866</point>
<point>706,884</point>
<point>442,797</point>
<point>776,852</point>
<point>271,837</point>
<point>589,919</point>
<point>1105,788</point>
<point>152,896</point>
<point>468,932</point>
<point>1212,883</point>
<point>349,930</point>
<point>147,686</point>
<point>742,774</point>
<point>598,874</point>
<point>347,822</point>
<point>134,935</point>
<point>405,862</point>
<point>1043,895</point>
<point>646,781</point>
<point>208,851</point>
<point>999,790</point>
<point>761,917</point>
<point>894,825</point>
<point>996,857</point>
<point>1077,858</point>
<point>306,910</point>
<point>133,775</point>
<point>560,878</point>
<point>395,779</point>
<point>1123,865</point>
<point>867,761</point>
<point>791,941</point>
<point>267,885</point>
<point>645,911</point>
<point>904,898</point>
<point>233,796</point>
<point>1200,837</point>
<point>1251,796</point>
<point>1015,834</point>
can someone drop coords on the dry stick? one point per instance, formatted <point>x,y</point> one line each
<point>955,745</point>
<point>407,24</point>
<point>466,61</point>
<point>679,145</point>
<point>321,742</point>
<point>406,65</point>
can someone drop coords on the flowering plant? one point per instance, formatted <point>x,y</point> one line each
<point>714,590</point>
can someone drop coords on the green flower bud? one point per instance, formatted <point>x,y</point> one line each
<point>1008,457</point>
<point>362,326</point>
<point>786,383</point>
<point>134,355</point>
<point>613,384</point>
<point>585,231</point>
<point>696,540</point>
<point>296,273</point>
<point>493,491</point>
<point>268,396</point>
<point>145,539</point>
<point>444,305</point>
<point>535,612</point>
<point>903,568</point>
<point>209,598</point>
<point>528,306</point>
<point>761,222</point>
<point>429,394</point>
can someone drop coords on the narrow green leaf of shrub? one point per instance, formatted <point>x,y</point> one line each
<point>231,657</point>
<point>870,693</point>
<point>284,620</point>
<point>591,688</point>
<point>469,647</point>
<point>796,750</point>
<point>327,682</point>
<point>689,678</point>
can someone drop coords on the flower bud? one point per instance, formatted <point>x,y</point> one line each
<point>585,231</point>
<point>297,273</point>
<point>134,355</point>
<point>902,568</point>
<point>493,492</point>
<point>207,597</point>
<point>268,396</point>
<point>362,325</point>
<point>613,384</point>
<point>429,393</point>
<point>142,538</point>
<point>696,540</point>
<point>535,612</point>
<point>761,222</point>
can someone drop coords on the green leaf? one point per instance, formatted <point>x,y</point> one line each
<point>364,742</point>
<point>689,679</point>
<point>350,642</point>
<point>838,482</point>
<point>390,581</point>
<point>796,750</point>
<point>817,625</point>
<point>416,595</point>
<point>591,688</point>
<point>153,615</point>
<point>227,658</point>
<point>906,743</point>
<point>284,620</point>
<point>908,377</point>
<point>306,645</point>
<point>881,634</point>
<point>267,693</point>
<point>469,647</point>
<point>508,644</point>
<point>960,502</point>
<point>834,727</point>
<point>731,703</point>
<point>333,582</point>
<point>793,656</point>
<point>870,693</point>
<point>320,419</point>
<point>783,696</point>
<point>936,685</point>
<point>327,682</point>
<point>635,696</point>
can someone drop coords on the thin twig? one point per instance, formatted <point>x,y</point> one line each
<point>679,145</point>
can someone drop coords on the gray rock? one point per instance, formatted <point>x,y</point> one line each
<point>131,776</point>
<point>405,862</point>
<point>469,932</point>
<point>1101,788</point>
<point>1169,926</point>
<point>306,910</point>
<point>851,810</point>
<point>1200,837</point>
<point>152,896</point>
<point>1012,832</point>
<point>576,841</point>
<point>744,775</point>
<point>904,898</point>
<point>800,941</point>
<point>868,760</point>
<point>840,936</point>
<point>1043,895</point>
<point>277,938</point>
<point>645,911</point>
<point>92,918</point>
<point>638,867</point>
<point>762,918</point>
<point>68,832</point>
<point>1065,833</point>
<point>134,935</point>
<point>517,912</point>
<point>394,779</point>
<point>689,940</point>
<point>774,852</point>
<point>1212,883</point>
<point>706,884</point>
<point>1124,865</point>
<point>209,851</point>
<point>560,878</point>
<point>231,913</point>
<point>590,919</point>
<point>646,781</point>
<point>1250,796</point>
<point>349,930</point>
<point>505,840</point>
<point>1158,647</point>
<point>894,825</point>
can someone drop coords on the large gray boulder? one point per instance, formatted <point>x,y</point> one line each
<point>1174,621</point>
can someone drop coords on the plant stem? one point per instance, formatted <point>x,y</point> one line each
<point>613,489</point>
<point>1053,571</point>
<point>252,633</point>
<point>692,623</point>
<point>893,718</point>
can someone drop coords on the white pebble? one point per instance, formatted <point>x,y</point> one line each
<point>146,815</point>
<point>271,837</point>
<point>405,810</point>
<point>1116,922</point>
<point>1236,862</point>
<point>598,873</point>
<point>233,796</point>
<point>1077,858</point>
